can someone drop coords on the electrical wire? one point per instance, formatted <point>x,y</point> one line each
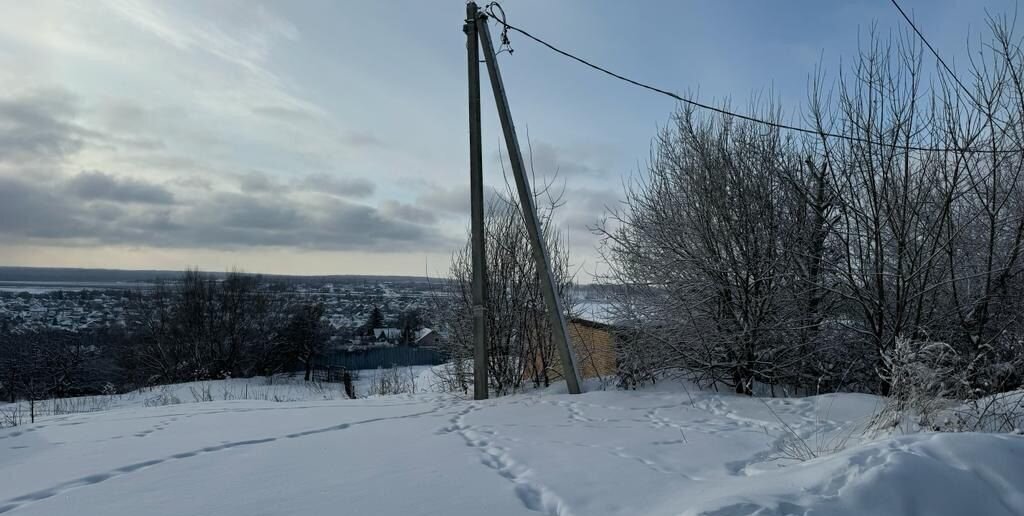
<point>490,12</point>
<point>936,54</point>
<point>949,70</point>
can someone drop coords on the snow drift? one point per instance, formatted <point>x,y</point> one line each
<point>930,474</point>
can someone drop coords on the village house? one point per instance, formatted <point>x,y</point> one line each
<point>427,338</point>
<point>594,348</point>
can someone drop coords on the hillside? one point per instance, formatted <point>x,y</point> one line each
<point>660,451</point>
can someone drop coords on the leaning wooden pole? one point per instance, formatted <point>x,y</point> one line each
<point>476,197</point>
<point>559,328</point>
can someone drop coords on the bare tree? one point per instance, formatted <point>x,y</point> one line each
<point>745,258</point>
<point>518,329</point>
<point>305,336</point>
<point>703,251</point>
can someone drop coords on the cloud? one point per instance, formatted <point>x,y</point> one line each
<point>256,181</point>
<point>33,211</point>
<point>41,203</point>
<point>38,127</point>
<point>409,212</point>
<point>123,114</point>
<point>338,186</point>
<point>234,220</point>
<point>569,161</point>
<point>286,114</point>
<point>41,130</point>
<point>95,185</point>
<point>453,200</point>
<point>594,201</point>
<point>362,139</point>
<point>335,186</point>
<point>106,210</point>
<point>193,182</point>
<point>240,211</point>
<point>583,209</point>
<point>246,47</point>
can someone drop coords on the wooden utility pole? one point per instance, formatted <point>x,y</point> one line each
<point>476,197</point>
<point>560,331</point>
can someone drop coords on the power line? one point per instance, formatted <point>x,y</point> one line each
<point>949,70</point>
<point>936,54</point>
<point>506,27</point>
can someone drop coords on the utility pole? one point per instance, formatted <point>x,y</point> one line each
<point>476,197</point>
<point>560,331</point>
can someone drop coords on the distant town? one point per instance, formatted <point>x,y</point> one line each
<point>84,300</point>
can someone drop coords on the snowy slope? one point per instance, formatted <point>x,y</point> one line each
<point>650,452</point>
<point>281,388</point>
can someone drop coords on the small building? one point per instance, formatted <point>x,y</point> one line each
<point>594,346</point>
<point>390,335</point>
<point>427,338</point>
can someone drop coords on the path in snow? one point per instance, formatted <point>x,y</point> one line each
<point>610,452</point>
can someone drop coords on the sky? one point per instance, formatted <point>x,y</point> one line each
<point>330,137</point>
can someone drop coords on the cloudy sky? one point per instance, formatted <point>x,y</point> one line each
<point>314,137</point>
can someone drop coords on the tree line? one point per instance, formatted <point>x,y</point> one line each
<point>749,257</point>
<point>198,328</point>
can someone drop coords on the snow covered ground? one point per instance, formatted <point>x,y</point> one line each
<point>281,388</point>
<point>662,451</point>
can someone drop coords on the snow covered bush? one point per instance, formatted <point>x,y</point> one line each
<point>394,380</point>
<point>924,379</point>
<point>164,396</point>
<point>11,414</point>
<point>201,392</point>
<point>1000,413</point>
<point>933,387</point>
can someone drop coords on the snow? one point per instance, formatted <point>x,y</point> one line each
<point>933,474</point>
<point>596,311</point>
<point>670,450</point>
<point>281,389</point>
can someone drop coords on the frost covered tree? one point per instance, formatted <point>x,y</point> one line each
<point>713,252</point>
<point>518,330</point>
<point>744,257</point>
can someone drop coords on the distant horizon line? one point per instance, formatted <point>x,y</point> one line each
<point>38,273</point>
<point>43,269</point>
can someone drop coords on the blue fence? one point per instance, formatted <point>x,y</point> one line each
<point>383,357</point>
